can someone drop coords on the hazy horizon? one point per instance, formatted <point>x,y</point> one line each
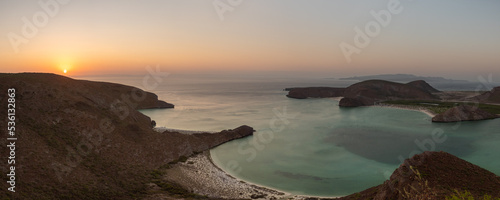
<point>451,39</point>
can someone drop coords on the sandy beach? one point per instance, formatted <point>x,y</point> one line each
<point>201,176</point>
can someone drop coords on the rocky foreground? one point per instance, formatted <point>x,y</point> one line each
<point>86,140</point>
<point>429,175</point>
<point>435,175</point>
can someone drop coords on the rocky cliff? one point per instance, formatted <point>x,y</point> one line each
<point>314,92</point>
<point>434,175</point>
<point>369,92</point>
<point>463,113</point>
<point>86,140</point>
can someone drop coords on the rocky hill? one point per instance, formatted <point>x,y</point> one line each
<point>369,92</point>
<point>434,175</point>
<point>463,113</point>
<point>86,140</point>
<point>315,92</point>
<point>423,85</point>
<point>492,96</point>
<point>402,78</point>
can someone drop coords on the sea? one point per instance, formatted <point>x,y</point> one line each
<point>309,146</point>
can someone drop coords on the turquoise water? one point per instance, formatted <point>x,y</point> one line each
<point>329,151</point>
<point>312,146</point>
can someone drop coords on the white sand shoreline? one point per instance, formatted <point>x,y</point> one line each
<point>287,195</point>
<point>412,108</point>
<point>200,175</point>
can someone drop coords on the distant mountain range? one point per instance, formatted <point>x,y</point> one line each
<point>403,78</point>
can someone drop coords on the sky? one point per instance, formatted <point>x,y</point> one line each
<point>451,38</point>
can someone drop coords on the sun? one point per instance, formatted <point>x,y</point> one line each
<point>65,71</point>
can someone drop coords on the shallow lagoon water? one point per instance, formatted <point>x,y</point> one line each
<point>312,146</point>
<point>329,151</point>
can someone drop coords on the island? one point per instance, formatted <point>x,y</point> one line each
<point>418,94</point>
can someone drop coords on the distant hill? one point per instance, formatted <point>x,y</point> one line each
<point>367,93</point>
<point>402,78</point>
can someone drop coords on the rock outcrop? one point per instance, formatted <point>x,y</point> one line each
<point>86,140</point>
<point>463,113</point>
<point>492,96</point>
<point>367,93</point>
<point>433,175</point>
<point>314,92</point>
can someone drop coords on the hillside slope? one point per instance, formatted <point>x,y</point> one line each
<point>434,175</point>
<point>85,140</point>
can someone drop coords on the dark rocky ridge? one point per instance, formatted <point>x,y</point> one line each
<point>433,175</point>
<point>463,113</point>
<point>423,85</point>
<point>367,93</point>
<point>86,140</point>
<point>314,92</point>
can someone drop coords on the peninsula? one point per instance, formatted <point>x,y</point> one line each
<point>80,139</point>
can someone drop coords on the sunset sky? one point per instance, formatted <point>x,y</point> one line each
<point>452,38</point>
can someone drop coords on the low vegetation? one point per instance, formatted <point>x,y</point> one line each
<point>466,195</point>
<point>422,190</point>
